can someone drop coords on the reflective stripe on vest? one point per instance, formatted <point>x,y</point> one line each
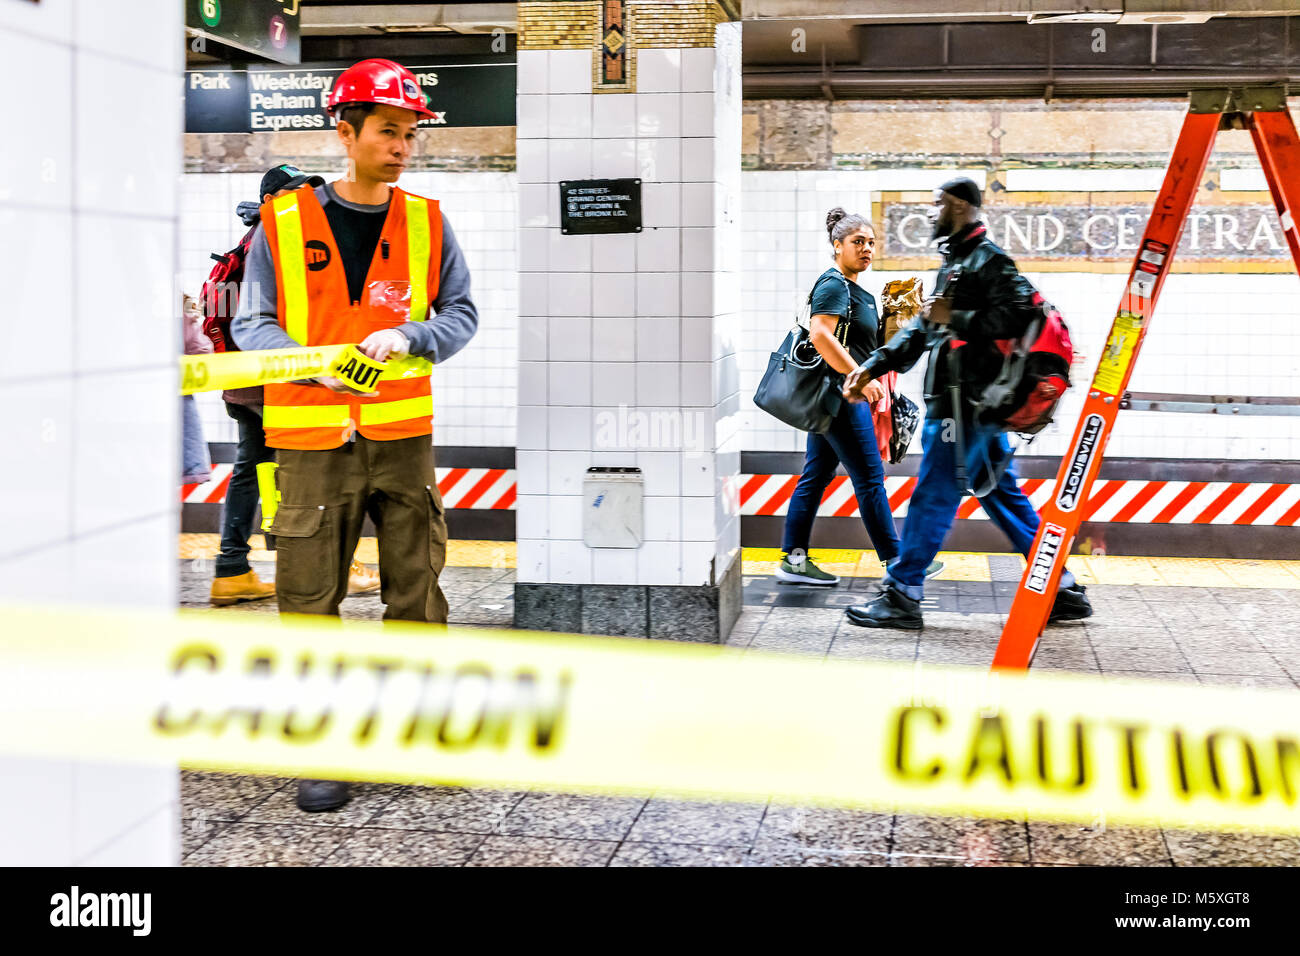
<point>293,266</point>
<point>381,413</point>
<point>309,416</point>
<point>417,244</point>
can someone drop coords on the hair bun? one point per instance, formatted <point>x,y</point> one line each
<point>834,216</point>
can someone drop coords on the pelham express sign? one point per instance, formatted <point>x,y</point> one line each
<point>271,99</point>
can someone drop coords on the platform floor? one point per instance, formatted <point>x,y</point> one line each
<point>1145,626</point>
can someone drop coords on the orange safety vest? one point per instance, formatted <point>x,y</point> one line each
<point>314,308</point>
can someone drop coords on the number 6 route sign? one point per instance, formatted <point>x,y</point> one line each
<point>265,28</point>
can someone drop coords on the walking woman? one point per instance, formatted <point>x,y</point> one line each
<point>840,304</point>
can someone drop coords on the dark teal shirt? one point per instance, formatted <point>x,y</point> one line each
<point>830,296</point>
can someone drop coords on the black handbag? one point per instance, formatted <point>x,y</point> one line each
<point>799,388</point>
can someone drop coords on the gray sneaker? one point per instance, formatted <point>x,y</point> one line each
<point>797,568</point>
<point>931,569</point>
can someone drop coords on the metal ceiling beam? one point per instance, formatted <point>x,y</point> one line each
<point>409,18</point>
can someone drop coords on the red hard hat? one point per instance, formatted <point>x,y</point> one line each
<point>378,81</point>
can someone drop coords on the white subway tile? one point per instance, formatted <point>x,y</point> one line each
<point>659,250</point>
<point>659,71</point>
<point>613,115</point>
<point>531,72</point>
<point>570,563</point>
<point>659,160</point>
<point>614,339</point>
<point>613,294</point>
<point>614,565</point>
<point>569,293</point>
<point>570,339</point>
<point>658,114</point>
<point>697,70</point>
<point>697,114</point>
<point>40,172</point>
<point>659,562</point>
<point>570,383</point>
<point>658,383</point>
<point>658,293</point>
<point>569,159</point>
<point>697,160</point>
<point>570,71</point>
<point>569,429</point>
<point>569,116</point>
<point>531,116</point>
<point>658,339</point>
<point>612,384</point>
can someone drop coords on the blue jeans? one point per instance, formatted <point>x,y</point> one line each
<point>933,506</point>
<point>196,466</point>
<point>851,440</point>
<point>241,495</point>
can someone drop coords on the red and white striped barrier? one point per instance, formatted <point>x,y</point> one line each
<point>1128,501</point>
<point>1132,501</point>
<point>480,488</point>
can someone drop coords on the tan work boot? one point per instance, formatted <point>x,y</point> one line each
<point>240,587</point>
<point>361,580</point>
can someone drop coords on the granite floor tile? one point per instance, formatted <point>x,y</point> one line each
<point>800,828</point>
<point>1163,594</point>
<point>950,652</point>
<point>679,854</point>
<point>447,809</point>
<point>791,642</point>
<point>541,851</point>
<point>1173,677</point>
<point>923,860</point>
<point>572,816</point>
<point>370,847</point>
<point>1110,846</point>
<point>368,800</point>
<point>1259,664</point>
<point>785,857</point>
<point>1074,656</point>
<point>1216,639</point>
<point>268,844</point>
<point>872,650</point>
<point>963,838</point>
<point>1248,682</point>
<point>1232,849</point>
<point>1113,657</point>
<point>672,821</point>
<point>224,796</point>
<point>1139,637</point>
<point>197,831</point>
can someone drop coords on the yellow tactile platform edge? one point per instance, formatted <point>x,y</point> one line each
<point>958,565</point>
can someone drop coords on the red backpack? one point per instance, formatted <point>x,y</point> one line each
<point>1035,374</point>
<point>220,295</point>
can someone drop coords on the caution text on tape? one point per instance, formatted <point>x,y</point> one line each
<point>415,703</point>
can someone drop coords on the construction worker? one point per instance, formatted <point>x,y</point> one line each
<point>358,261</point>
<point>234,579</point>
<point>984,298</point>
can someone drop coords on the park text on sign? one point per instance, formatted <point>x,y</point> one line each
<point>1244,232</point>
<point>600,206</point>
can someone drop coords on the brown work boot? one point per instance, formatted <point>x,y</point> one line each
<point>240,587</point>
<point>362,580</point>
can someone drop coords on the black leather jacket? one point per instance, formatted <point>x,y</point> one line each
<point>990,300</point>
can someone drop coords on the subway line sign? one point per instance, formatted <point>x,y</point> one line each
<point>274,99</point>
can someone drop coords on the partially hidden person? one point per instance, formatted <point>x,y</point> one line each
<point>196,463</point>
<point>234,578</point>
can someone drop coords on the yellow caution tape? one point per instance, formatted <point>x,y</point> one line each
<point>268,492</point>
<point>222,370</point>
<point>349,700</point>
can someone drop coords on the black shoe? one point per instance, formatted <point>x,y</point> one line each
<point>1071,605</point>
<point>318,796</point>
<point>892,608</point>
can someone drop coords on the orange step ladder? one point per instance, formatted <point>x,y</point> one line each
<point>1264,112</point>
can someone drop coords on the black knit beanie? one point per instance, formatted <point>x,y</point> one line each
<point>963,188</point>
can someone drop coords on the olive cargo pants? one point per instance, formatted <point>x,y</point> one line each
<point>324,499</point>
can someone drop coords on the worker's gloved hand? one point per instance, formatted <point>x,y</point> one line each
<point>340,386</point>
<point>385,344</point>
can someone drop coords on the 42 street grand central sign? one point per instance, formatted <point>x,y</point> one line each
<point>273,99</point>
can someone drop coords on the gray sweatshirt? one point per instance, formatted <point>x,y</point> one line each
<point>453,318</point>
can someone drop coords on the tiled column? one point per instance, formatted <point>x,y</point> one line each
<point>89,498</point>
<point>627,342</point>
